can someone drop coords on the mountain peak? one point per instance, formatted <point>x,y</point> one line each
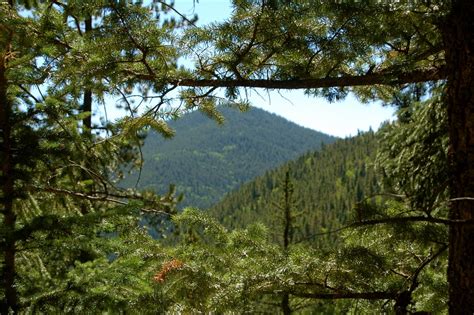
<point>206,160</point>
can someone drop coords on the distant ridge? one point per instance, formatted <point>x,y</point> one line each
<point>206,160</point>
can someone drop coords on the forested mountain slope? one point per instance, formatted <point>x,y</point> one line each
<point>326,186</point>
<point>206,160</point>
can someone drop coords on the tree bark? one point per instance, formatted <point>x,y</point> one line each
<point>87,101</point>
<point>459,46</point>
<point>384,78</point>
<point>287,231</point>
<point>285,304</point>
<point>10,300</point>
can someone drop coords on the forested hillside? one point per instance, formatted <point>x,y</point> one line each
<point>326,185</point>
<point>206,160</point>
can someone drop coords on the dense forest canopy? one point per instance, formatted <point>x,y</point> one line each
<point>326,185</point>
<point>64,221</point>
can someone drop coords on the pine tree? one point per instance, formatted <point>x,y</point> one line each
<point>62,214</point>
<point>373,50</point>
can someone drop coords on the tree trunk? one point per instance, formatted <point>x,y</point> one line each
<point>87,102</point>
<point>10,300</point>
<point>287,231</point>
<point>459,45</point>
<point>285,304</point>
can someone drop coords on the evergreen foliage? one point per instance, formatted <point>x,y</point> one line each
<point>205,160</point>
<point>327,185</point>
<point>68,233</point>
<point>70,239</point>
<point>374,50</point>
<point>388,254</point>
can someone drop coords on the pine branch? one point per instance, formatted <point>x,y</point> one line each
<point>101,197</point>
<point>425,263</point>
<point>379,78</point>
<point>28,93</point>
<point>462,199</point>
<point>392,220</point>
<point>375,295</point>
<point>177,12</point>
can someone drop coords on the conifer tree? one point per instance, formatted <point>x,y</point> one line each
<point>372,49</point>
<point>62,214</point>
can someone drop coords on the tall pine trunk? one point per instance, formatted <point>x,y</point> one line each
<point>87,104</point>
<point>8,246</point>
<point>459,45</point>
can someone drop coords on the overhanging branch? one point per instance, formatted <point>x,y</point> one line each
<point>102,197</point>
<point>414,76</point>
<point>395,220</point>
<point>390,220</point>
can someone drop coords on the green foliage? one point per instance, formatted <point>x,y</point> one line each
<point>327,185</point>
<point>206,160</point>
<point>66,245</point>
<point>242,270</point>
<point>384,251</point>
<point>418,145</point>
<point>222,271</point>
<point>328,40</point>
<point>70,239</point>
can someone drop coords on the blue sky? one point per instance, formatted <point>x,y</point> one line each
<point>341,119</point>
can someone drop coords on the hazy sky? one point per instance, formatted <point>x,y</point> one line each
<point>340,119</point>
